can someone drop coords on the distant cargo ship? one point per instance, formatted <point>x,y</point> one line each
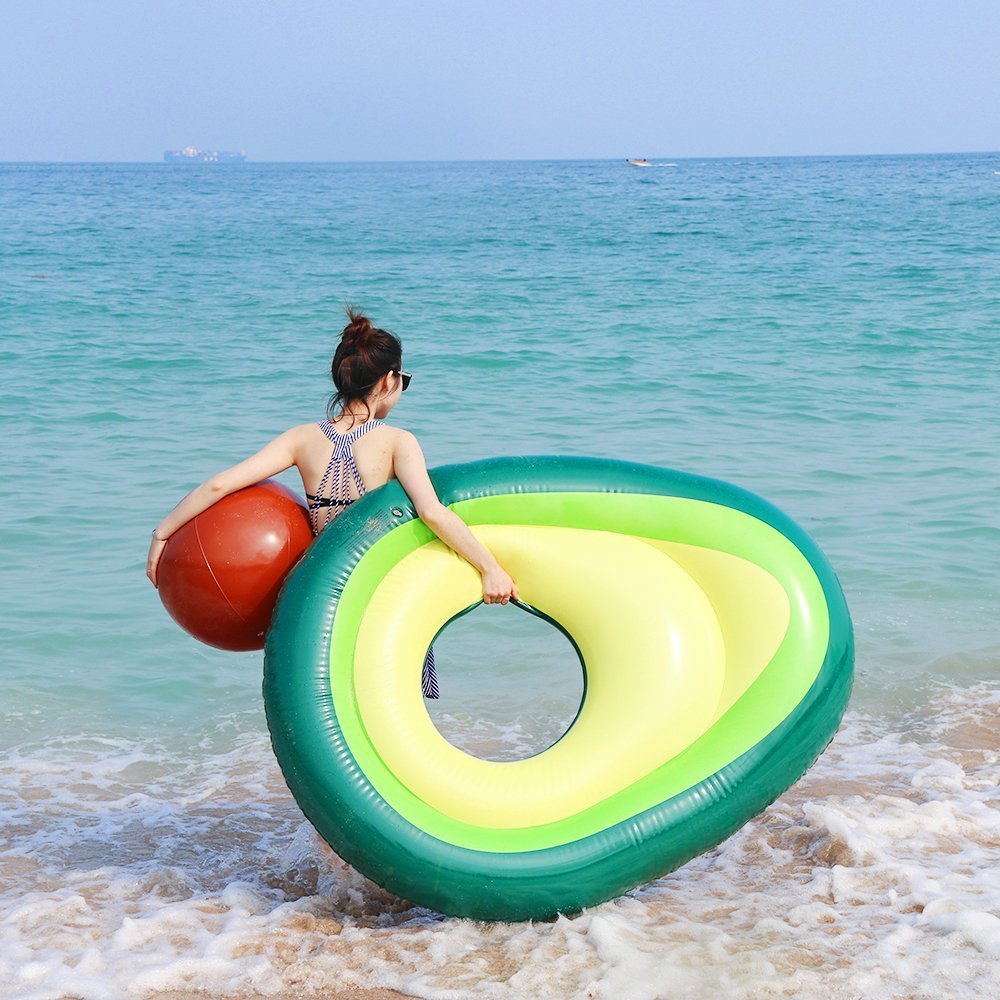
<point>191,154</point>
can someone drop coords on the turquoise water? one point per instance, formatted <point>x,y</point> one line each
<point>821,331</point>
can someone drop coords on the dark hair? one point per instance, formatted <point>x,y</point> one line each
<point>365,353</point>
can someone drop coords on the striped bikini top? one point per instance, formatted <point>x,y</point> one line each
<point>338,494</point>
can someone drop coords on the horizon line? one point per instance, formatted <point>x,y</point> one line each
<point>567,159</point>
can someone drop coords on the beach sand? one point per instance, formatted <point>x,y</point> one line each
<point>350,993</point>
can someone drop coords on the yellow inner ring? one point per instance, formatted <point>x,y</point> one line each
<point>671,635</point>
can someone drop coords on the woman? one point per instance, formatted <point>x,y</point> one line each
<point>343,457</point>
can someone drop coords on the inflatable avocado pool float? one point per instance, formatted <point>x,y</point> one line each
<point>717,654</point>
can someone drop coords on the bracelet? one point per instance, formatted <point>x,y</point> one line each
<point>157,537</point>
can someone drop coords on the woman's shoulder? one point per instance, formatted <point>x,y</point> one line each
<point>399,438</point>
<point>305,431</point>
<point>390,432</point>
<point>402,433</point>
<point>314,427</point>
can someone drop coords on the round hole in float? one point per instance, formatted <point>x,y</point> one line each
<point>511,683</point>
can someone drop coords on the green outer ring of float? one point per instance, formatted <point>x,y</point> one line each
<point>340,801</point>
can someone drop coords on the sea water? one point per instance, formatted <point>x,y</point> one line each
<point>821,331</point>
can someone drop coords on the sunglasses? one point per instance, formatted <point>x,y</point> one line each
<point>405,376</point>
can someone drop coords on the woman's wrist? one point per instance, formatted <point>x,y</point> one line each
<point>486,562</point>
<point>157,537</point>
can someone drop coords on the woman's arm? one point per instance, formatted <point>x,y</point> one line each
<point>411,470</point>
<point>274,457</point>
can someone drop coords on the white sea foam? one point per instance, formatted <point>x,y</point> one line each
<point>127,870</point>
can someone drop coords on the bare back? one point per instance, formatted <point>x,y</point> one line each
<point>335,455</point>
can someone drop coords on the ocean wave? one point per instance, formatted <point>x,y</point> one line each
<point>131,869</point>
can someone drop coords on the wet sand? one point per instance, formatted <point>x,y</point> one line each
<point>871,876</point>
<point>349,993</point>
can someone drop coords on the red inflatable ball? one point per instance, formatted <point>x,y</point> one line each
<point>220,573</point>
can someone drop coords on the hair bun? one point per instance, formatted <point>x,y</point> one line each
<point>358,328</point>
<point>365,353</point>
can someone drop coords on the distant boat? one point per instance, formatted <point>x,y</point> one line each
<point>639,163</point>
<point>191,154</point>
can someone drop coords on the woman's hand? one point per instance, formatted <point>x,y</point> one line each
<point>498,587</point>
<point>156,547</point>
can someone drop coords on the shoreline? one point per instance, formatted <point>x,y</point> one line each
<point>347,993</point>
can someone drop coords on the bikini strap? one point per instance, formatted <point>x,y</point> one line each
<point>343,455</point>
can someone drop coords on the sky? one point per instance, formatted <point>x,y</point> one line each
<point>122,80</point>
